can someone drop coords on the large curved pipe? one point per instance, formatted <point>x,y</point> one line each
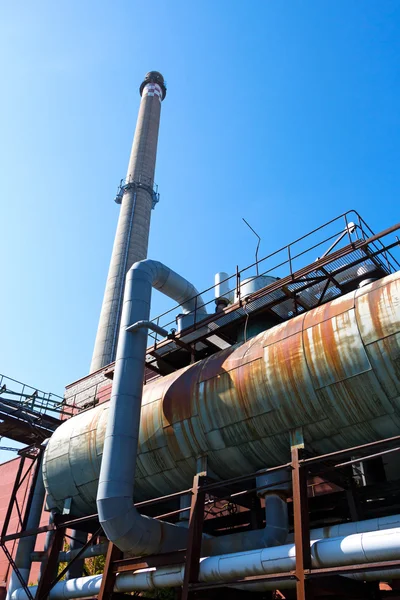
<point>121,522</point>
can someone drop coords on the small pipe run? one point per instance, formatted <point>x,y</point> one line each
<point>26,545</point>
<point>121,522</point>
<point>360,548</point>
<point>147,325</point>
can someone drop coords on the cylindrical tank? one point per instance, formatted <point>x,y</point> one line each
<point>334,371</point>
<point>223,292</point>
<point>253,284</point>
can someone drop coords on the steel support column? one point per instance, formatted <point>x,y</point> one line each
<point>108,580</point>
<point>193,551</point>
<point>50,565</point>
<point>301,526</point>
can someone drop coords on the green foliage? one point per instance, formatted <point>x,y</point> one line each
<point>95,565</point>
<point>62,565</point>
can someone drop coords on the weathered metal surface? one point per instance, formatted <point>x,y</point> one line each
<point>334,371</point>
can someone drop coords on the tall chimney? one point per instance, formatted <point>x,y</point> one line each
<point>137,196</point>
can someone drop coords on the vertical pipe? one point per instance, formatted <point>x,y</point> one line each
<point>26,545</point>
<point>277,488</point>
<point>79,539</point>
<point>48,542</point>
<point>120,520</point>
<point>131,238</point>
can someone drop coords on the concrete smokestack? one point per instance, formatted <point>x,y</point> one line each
<point>137,196</point>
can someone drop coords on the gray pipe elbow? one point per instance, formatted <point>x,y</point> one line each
<point>173,285</point>
<point>121,522</point>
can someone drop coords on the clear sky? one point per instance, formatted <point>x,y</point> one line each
<point>285,112</point>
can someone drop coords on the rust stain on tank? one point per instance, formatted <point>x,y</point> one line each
<point>334,371</point>
<point>283,331</point>
<point>377,310</point>
<point>378,318</point>
<point>177,399</point>
<point>329,310</point>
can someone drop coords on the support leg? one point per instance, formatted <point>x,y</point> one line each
<point>108,581</point>
<point>50,565</point>
<point>301,527</point>
<point>192,563</point>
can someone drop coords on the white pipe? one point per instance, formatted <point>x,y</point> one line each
<point>250,540</point>
<point>344,529</point>
<point>359,548</point>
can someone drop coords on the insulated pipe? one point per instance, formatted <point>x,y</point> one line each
<point>26,545</point>
<point>374,546</point>
<point>276,510</point>
<point>248,540</point>
<point>121,522</point>
<point>68,555</point>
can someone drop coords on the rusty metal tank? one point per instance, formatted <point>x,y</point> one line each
<point>334,371</point>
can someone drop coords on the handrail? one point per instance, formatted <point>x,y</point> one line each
<point>356,234</point>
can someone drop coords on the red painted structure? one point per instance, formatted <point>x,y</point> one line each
<point>8,474</point>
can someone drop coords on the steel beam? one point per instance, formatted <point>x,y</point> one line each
<point>301,526</point>
<point>109,576</point>
<point>50,565</point>
<point>193,551</point>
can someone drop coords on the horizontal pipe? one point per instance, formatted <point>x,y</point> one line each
<point>68,555</point>
<point>250,540</point>
<point>147,325</point>
<point>356,549</point>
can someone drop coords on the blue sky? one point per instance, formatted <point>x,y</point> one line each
<point>282,112</point>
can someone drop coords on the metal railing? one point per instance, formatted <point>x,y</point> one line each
<point>345,230</point>
<point>26,396</point>
<point>141,182</point>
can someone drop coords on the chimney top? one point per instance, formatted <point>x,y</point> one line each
<point>154,77</point>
